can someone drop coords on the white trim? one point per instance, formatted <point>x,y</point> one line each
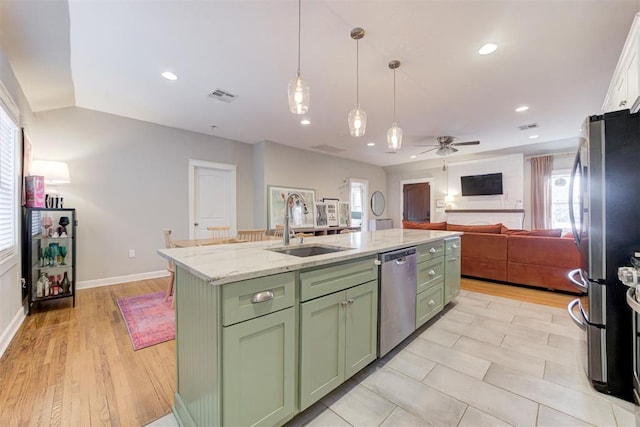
<point>11,330</point>
<point>193,163</point>
<point>416,181</point>
<point>86,284</point>
<point>9,104</point>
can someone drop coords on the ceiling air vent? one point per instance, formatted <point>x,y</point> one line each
<point>529,126</point>
<point>328,148</point>
<point>222,95</point>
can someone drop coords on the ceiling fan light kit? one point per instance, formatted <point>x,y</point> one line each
<point>299,89</point>
<point>357,117</point>
<point>394,134</point>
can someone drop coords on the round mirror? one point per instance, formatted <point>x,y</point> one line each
<point>377,203</point>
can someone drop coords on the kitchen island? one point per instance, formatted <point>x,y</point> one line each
<point>261,335</point>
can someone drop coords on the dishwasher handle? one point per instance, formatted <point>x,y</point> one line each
<point>401,261</point>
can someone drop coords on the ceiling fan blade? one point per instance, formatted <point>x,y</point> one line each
<point>426,145</point>
<point>436,148</point>
<point>466,143</point>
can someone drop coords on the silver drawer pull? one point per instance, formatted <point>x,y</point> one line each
<point>432,250</point>
<point>350,301</point>
<point>453,259</point>
<point>262,297</point>
<point>344,303</point>
<point>431,302</point>
<point>432,272</point>
<point>454,246</point>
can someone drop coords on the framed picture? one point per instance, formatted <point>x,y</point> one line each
<point>332,212</point>
<point>301,212</point>
<point>321,215</point>
<point>344,214</point>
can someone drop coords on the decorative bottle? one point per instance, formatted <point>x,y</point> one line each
<point>66,284</point>
<point>40,285</point>
<point>47,286</point>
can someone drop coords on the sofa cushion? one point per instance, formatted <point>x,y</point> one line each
<point>484,245</point>
<point>551,251</point>
<point>424,225</point>
<point>555,232</point>
<point>492,228</point>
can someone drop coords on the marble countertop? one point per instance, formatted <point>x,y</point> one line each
<point>220,264</point>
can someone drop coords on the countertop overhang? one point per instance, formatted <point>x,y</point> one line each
<point>220,264</point>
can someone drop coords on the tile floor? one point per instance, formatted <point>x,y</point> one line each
<point>485,361</point>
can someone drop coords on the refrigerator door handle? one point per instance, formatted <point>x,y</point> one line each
<point>631,300</point>
<point>581,324</point>
<point>572,219</point>
<point>578,284</point>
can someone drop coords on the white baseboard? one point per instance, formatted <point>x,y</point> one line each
<point>85,284</point>
<point>10,332</point>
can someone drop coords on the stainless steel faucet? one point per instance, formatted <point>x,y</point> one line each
<point>286,236</point>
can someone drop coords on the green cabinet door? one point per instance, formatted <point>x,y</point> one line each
<point>258,368</point>
<point>322,333</point>
<point>361,327</point>
<point>451,269</point>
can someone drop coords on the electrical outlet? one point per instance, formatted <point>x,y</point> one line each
<point>132,253</point>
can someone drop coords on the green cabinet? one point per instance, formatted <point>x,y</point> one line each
<point>451,269</point>
<point>338,338</point>
<point>258,359</point>
<point>431,276</point>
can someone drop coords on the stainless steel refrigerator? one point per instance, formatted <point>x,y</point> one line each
<point>606,229</point>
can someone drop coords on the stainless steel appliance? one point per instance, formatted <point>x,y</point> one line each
<point>397,298</point>
<point>606,230</point>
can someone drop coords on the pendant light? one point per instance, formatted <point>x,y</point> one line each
<point>394,134</point>
<point>357,117</point>
<point>298,87</point>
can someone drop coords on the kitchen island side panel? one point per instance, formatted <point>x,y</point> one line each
<point>197,345</point>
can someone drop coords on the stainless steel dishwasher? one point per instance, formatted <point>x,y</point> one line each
<point>397,298</point>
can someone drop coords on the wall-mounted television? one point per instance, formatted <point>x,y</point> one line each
<point>481,185</point>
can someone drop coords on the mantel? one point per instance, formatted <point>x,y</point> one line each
<point>510,218</point>
<point>484,211</point>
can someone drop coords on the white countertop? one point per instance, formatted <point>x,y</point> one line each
<point>220,264</point>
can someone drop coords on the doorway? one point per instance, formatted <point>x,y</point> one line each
<point>415,200</point>
<point>212,197</point>
<point>359,195</point>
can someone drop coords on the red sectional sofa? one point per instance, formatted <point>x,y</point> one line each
<point>539,258</point>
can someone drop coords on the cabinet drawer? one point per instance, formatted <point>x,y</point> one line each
<point>256,297</point>
<point>429,274</point>
<point>452,247</point>
<point>326,280</point>
<point>429,303</point>
<point>431,250</point>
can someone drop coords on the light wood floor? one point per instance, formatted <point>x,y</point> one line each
<point>76,367</point>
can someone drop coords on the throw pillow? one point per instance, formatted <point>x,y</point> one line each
<point>556,232</point>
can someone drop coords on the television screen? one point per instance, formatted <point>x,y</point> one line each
<point>481,185</point>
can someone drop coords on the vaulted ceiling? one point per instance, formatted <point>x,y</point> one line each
<point>557,57</point>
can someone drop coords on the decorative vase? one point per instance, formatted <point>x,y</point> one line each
<point>66,284</point>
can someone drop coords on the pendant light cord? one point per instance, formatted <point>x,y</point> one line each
<point>299,31</point>
<point>358,73</point>
<point>394,96</point>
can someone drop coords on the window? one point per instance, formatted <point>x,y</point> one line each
<point>560,199</point>
<point>356,204</point>
<point>8,184</point>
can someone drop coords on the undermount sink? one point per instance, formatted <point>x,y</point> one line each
<point>309,250</point>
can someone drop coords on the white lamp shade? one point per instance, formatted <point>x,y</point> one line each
<point>394,138</point>
<point>299,92</point>
<point>53,172</point>
<point>357,122</point>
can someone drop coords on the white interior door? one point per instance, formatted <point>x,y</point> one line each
<point>213,197</point>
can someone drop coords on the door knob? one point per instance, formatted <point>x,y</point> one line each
<point>195,224</point>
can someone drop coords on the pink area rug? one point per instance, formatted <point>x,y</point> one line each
<point>149,318</point>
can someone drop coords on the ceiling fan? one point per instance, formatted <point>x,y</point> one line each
<point>445,145</point>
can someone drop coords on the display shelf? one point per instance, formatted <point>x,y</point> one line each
<point>42,243</point>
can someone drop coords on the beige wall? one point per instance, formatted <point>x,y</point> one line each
<point>130,180</point>
<point>327,175</point>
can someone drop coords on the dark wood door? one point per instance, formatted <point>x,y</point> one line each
<point>417,198</point>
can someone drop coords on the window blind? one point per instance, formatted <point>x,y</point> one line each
<point>8,183</point>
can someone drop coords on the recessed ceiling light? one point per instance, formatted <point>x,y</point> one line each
<point>371,144</point>
<point>305,122</point>
<point>488,48</point>
<point>413,157</point>
<point>533,136</point>
<point>522,108</point>
<point>169,75</point>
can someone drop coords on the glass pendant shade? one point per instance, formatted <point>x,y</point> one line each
<point>299,95</point>
<point>394,137</point>
<point>357,121</point>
